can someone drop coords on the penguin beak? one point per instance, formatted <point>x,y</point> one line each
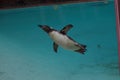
<point>45,28</point>
<point>40,26</point>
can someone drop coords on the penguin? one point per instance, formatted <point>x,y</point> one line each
<point>60,38</point>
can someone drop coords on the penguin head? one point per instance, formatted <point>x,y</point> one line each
<point>46,28</point>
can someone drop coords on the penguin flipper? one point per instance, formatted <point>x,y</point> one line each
<point>66,29</point>
<point>55,47</point>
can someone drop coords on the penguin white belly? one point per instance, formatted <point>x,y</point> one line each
<point>63,40</point>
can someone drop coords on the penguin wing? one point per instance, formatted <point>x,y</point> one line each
<point>55,47</point>
<point>66,29</point>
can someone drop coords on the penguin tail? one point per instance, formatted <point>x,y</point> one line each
<point>82,49</point>
<point>84,46</point>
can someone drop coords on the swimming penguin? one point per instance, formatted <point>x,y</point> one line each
<point>60,38</point>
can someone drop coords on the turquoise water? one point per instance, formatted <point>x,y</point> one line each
<point>26,52</point>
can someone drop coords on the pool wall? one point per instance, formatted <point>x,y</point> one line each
<point>117,6</point>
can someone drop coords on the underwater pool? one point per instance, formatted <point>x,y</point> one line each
<point>26,51</point>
